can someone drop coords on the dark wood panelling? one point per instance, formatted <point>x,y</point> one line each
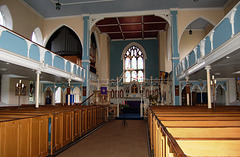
<point>107,21</point>
<point>137,27</point>
<point>133,19</point>
<point>132,27</point>
<point>133,35</point>
<point>104,29</point>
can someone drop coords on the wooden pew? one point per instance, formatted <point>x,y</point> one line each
<point>183,125</point>
<point>66,124</point>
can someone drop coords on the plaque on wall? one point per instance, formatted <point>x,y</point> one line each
<point>177,90</point>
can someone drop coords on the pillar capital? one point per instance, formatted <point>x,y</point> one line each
<point>208,68</point>
<point>38,72</point>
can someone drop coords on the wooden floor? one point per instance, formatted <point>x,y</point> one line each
<point>113,140</point>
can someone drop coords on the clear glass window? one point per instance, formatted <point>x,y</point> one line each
<point>2,19</point>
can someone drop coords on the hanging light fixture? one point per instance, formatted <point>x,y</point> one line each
<point>58,5</point>
<point>190,31</point>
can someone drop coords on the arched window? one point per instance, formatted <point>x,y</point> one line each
<point>2,19</point>
<point>133,67</point>
<point>5,17</point>
<point>37,36</point>
<point>58,95</point>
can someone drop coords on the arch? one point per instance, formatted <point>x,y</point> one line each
<point>58,62</point>
<point>133,63</point>
<point>54,30</point>
<point>147,93</point>
<point>220,95</point>
<point>78,72</point>
<point>59,95</point>
<point>77,95</point>
<point>68,66</point>
<point>121,93</point>
<point>48,93</point>
<point>195,87</point>
<point>112,94</point>
<point>57,42</point>
<point>98,49</point>
<point>187,24</point>
<point>37,36</point>
<point>34,52</point>
<point>48,58</point>
<point>196,95</point>
<point>14,43</point>
<point>75,69</point>
<point>7,16</point>
<point>222,33</point>
<point>221,86</point>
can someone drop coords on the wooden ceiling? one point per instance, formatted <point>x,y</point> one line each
<point>135,27</point>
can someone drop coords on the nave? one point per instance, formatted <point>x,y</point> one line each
<point>113,140</point>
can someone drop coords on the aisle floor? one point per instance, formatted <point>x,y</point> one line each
<point>113,140</point>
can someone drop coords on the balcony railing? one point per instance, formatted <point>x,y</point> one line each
<point>226,29</point>
<point>14,42</point>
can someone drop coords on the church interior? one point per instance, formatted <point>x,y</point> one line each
<point>119,78</point>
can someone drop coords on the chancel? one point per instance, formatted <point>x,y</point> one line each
<point>119,78</point>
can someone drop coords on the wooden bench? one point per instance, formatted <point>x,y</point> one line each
<point>179,131</point>
<point>29,133</point>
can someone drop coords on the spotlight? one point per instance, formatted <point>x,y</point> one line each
<point>58,5</point>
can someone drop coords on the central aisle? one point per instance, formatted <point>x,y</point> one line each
<point>113,140</point>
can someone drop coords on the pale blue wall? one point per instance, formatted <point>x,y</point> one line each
<point>151,64</point>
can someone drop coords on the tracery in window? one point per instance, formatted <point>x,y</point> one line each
<point>134,65</point>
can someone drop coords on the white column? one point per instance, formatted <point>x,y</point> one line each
<point>208,68</point>
<point>188,100</point>
<point>69,81</point>
<point>37,88</point>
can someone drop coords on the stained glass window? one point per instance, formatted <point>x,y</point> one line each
<point>140,63</point>
<point>127,63</point>
<point>134,65</point>
<point>134,76</point>
<point>127,76</point>
<point>140,76</point>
